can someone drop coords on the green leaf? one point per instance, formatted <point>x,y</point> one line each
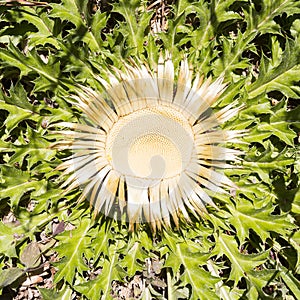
<point>231,58</point>
<point>72,247</point>
<point>269,159</point>
<point>241,264</point>
<point>18,97</point>
<point>70,10</point>
<point>291,281</point>
<point>296,202</point>
<point>245,217</point>
<point>188,255</point>
<point>49,294</point>
<point>31,62</point>
<point>16,115</point>
<point>255,107</point>
<point>92,289</point>
<point>136,23</point>
<point>263,20</point>
<point>134,253</point>
<point>11,177</point>
<point>279,126</point>
<point>210,16</point>
<point>87,29</point>
<point>110,271</point>
<point>40,20</point>
<point>7,239</point>
<point>101,237</point>
<point>281,78</point>
<point>259,279</point>
<point>295,242</point>
<point>35,150</point>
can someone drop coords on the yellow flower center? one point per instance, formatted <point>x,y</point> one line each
<point>151,143</point>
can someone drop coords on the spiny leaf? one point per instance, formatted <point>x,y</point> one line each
<point>281,78</point>
<point>295,242</point>
<point>135,255</point>
<point>75,11</point>
<point>296,202</point>
<point>64,294</point>
<point>30,148</point>
<point>11,177</point>
<point>92,289</point>
<point>259,280</point>
<point>263,20</point>
<point>263,163</point>
<point>16,115</point>
<point>210,16</point>
<point>111,271</point>
<point>71,10</point>
<point>188,255</point>
<point>72,247</point>
<point>134,27</point>
<point>101,237</point>
<point>241,264</point>
<point>7,239</point>
<point>245,217</point>
<point>18,97</point>
<point>43,25</point>
<point>100,288</point>
<point>231,58</point>
<point>291,281</point>
<point>29,63</point>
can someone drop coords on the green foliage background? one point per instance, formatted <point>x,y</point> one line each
<point>250,247</point>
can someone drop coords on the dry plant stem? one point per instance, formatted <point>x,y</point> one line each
<point>12,3</point>
<point>169,284</point>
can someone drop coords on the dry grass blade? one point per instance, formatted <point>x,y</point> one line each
<point>12,3</point>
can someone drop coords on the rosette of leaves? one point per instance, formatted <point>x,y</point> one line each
<point>246,248</point>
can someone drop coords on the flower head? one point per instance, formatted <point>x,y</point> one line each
<point>151,144</point>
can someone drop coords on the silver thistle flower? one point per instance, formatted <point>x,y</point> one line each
<point>153,144</point>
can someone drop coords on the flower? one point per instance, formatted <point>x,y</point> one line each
<point>150,144</point>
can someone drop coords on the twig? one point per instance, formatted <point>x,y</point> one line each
<point>12,3</point>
